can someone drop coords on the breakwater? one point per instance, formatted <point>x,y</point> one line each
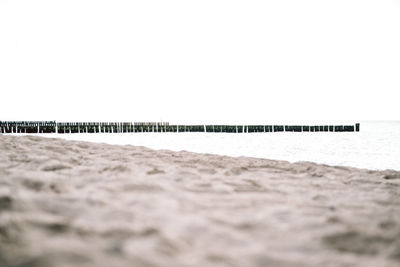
<point>159,127</point>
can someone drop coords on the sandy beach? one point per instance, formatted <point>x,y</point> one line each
<point>68,203</point>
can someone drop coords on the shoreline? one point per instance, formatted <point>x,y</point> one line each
<point>186,141</point>
<point>80,203</point>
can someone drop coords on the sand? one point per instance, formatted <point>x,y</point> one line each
<point>66,203</point>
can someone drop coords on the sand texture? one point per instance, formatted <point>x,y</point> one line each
<point>65,203</point>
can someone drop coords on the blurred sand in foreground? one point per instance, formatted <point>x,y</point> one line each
<point>65,203</point>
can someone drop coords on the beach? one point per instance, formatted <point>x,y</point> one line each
<point>74,203</point>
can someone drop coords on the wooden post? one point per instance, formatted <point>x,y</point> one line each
<point>348,128</point>
<point>338,128</point>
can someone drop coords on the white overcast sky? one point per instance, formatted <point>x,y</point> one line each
<point>199,61</point>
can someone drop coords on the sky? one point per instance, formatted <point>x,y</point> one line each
<point>205,61</point>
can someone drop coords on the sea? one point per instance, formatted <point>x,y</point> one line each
<point>375,147</point>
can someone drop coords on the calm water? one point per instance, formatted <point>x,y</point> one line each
<point>376,146</point>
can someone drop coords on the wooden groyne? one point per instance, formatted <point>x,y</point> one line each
<point>154,127</point>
